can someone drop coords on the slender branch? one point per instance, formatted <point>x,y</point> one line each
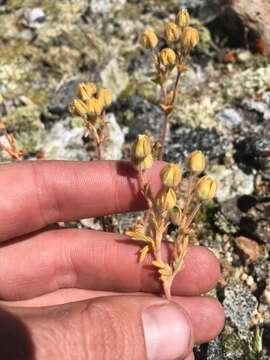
<point>164,134</point>
<point>176,87</point>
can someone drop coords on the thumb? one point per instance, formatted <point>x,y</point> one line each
<point>113,327</point>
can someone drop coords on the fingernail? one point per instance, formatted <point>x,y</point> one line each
<point>167,332</point>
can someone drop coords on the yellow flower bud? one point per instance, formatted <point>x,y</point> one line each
<point>94,107</point>
<point>141,147</point>
<point>144,164</point>
<point>86,90</point>
<point>170,175</point>
<point>171,32</point>
<point>105,96</point>
<point>182,18</point>
<point>190,37</point>
<point>206,187</point>
<point>176,215</point>
<point>196,161</point>
<point>166,199</point>
<point>149,39</point>
<point>78,107</point>
<point>167,56</point>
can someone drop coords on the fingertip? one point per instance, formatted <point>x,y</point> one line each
<point>200,274</point>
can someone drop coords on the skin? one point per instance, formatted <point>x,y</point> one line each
<point>52,281</point>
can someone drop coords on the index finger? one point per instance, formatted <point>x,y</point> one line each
<point>38,193</point>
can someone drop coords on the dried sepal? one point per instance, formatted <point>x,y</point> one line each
<point>86,90</point>
<point>182,18</point>
<point>171,32</point>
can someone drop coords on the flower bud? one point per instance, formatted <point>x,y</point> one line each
<point>149,39</point>
<point>171,32</point>
<point>78,107</point>
<point>94,107</point>
<point>144,164</point>
<point>190,37</point>
<point>176,215</point>
<point>170,175</point>
<point>196,161</point>
<point>206,187</point>
<point>166,199</point>
<point>105,96</point>
<point>141,147</point>
<point>182,18</point>
<point>167,56</point>
<point>86,90</point>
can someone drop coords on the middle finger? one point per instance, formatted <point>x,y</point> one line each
<point>71,258</point>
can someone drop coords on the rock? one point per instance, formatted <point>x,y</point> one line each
<point>214,350</point>
<point>104,6</point>
<point>261,107</point>
<point>260,269</point>
<point>229,118</point>
<point>140,115</point>
<point>249,247</point>
<point>231,182</point>
<point>115,141</point>
<point>243,56</point>
<point>184,140</point>
<point>249,22</point>
<point>239,305</point>
<point>61,100</point>
<point>35,18</point>
<point>250,214</point>
<point>64,143</point>
<point>114,78</point>
<point>254,150</point>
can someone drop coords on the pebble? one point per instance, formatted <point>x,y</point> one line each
<point>230,118</point>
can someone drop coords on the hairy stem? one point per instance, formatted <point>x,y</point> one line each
<point>164,134</point>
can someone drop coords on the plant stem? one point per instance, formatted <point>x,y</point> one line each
<point>167,289</point>
<point>164,134</point>
<point>175,87</point>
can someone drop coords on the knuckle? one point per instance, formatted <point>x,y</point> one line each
<point>110,335</point>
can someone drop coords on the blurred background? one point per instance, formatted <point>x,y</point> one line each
<point>48,47</point>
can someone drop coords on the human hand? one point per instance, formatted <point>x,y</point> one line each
<point>81,294</point>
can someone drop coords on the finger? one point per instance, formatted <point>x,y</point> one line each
<point>72,258</point>
<point>38,193</point>
<point>206,313</point>
<point>190,357</point>
<point>119,327</point>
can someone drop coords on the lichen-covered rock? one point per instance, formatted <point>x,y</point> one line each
<point>140,115</point>
<point>64,143</point>
<point>184,140</point>
<point>231,182</point>
<point>239,305</point>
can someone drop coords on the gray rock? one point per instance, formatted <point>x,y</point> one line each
<point>103,6</point>
<point>115,139</point>
<point>35,18</point>
<point>115,78</point>
<point>231,182</point>
<point>184,140</point>
<point>64,143</point>
<point>230,118</point>
<point>239,305</point>
<point>250,214</point>
<point>261,107</point>
<point>141,116</point>
<point>63,97</point>
<point>214,350</point>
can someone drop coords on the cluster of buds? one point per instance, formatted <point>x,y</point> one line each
<point>177,202</point>
<point>90,106</point>
<point>180,38</point>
